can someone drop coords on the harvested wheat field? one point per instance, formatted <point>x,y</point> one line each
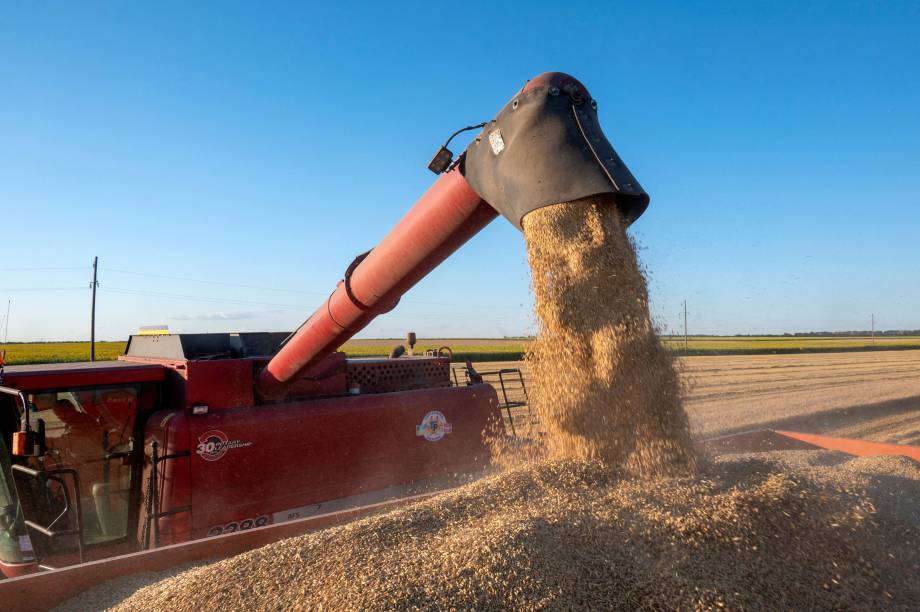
<point>615,510</point>
<point>872,395</point>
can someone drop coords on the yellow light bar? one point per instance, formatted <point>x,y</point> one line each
<point>153,330</point>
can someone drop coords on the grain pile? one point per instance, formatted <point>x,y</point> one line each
<point>744,533</point>
<point>604,386</point>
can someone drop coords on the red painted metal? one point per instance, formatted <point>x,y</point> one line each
<point>326,444</point>
<point>66,375</point>
<point>93,553</point>
<point>757,441</point>
<point>228,383</point>
<point>171,430</point>
<point>764,440</point>
<point>442,220</point>
<point>14,570</point>
<point>326,378</point>
<point>860,448</point>
<point>288,456</point>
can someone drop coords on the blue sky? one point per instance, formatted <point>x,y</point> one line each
<point>260,147</point>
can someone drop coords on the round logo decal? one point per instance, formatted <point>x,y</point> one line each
<point>433,427</point>
<point>214,444</point>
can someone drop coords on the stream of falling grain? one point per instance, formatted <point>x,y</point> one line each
<point>604,386</point>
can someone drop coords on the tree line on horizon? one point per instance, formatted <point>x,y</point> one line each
<point>837,334</point>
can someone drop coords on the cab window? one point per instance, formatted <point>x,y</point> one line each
<point>91,430</point>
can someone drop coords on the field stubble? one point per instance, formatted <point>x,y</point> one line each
<point>871,395</point>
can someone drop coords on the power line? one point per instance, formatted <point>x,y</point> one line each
<point>238,302</point>
<point>200,298</point>
<point>686,343</point>
<point>6,333</point>
<point>21,289</point>
<point>210,282</point>
<point>289,307</point>
<point>148,275</point>
<point>92,325</point>
<point>216,300</point>
<point>259,287</point>
<point>42,269</point>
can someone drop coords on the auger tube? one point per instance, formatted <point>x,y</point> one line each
<point>544,147</point>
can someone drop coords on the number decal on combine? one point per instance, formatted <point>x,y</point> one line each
<point>243,525</point>
<point>214,444</point>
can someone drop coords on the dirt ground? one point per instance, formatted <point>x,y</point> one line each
<point>871,395</point>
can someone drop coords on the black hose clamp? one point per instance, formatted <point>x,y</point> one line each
<point>347,280</point>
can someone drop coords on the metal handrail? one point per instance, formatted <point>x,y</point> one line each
<point>507,380</point>
<point>49,529</point>
<point>152,503</point>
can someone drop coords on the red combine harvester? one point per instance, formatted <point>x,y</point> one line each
<point>196,435</point>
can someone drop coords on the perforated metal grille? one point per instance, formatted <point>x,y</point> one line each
<point>387,375</point>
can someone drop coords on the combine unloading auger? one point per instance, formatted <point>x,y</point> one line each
<point>544,147</point>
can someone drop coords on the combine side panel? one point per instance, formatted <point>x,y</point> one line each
<point>252,468</point>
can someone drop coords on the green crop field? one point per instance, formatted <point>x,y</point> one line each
<point>56,352</point>
<point>511,349</point>
<point>476,349</point>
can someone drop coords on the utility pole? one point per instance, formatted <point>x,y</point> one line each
<point>6,323</point>
<point>6,331</point>
<point>92,320</point>
<point>686,343</point>
<point>873,328</point>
